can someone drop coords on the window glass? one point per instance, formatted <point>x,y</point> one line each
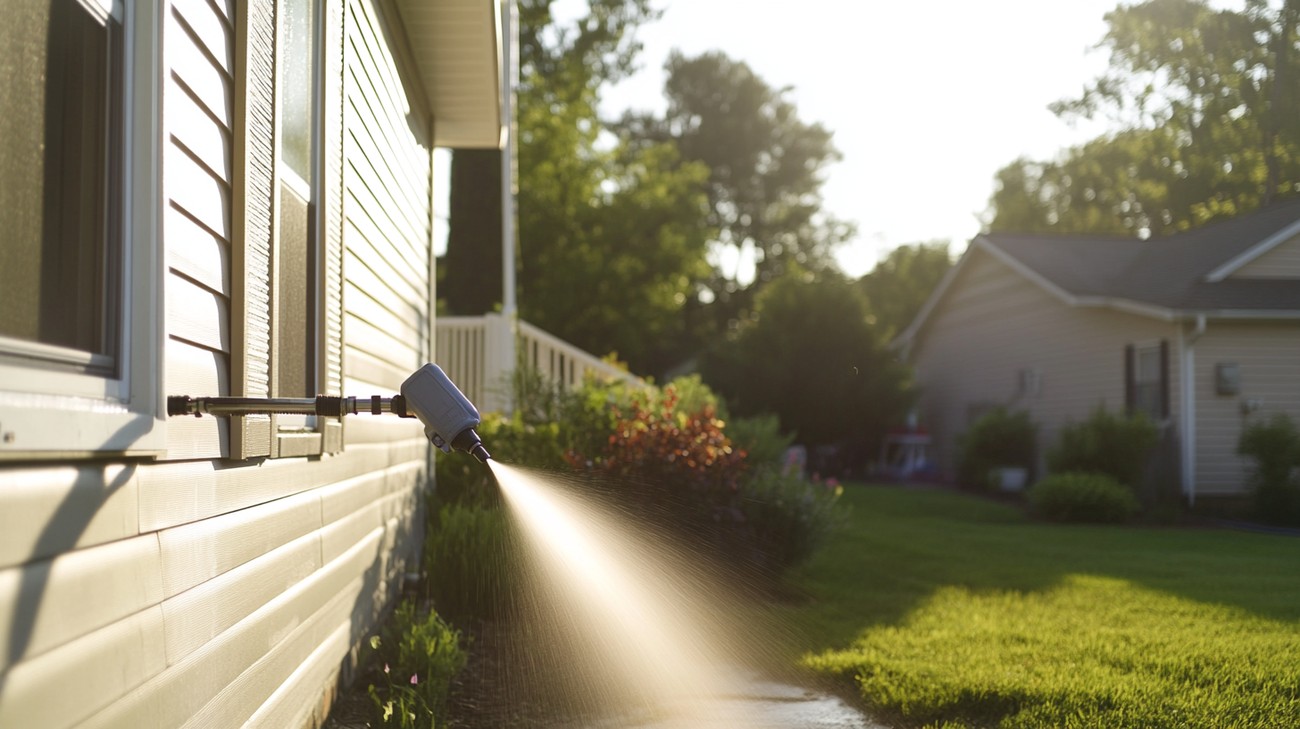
<point>297,84</point>
<point>60,256</point>
<point>1148,385</point>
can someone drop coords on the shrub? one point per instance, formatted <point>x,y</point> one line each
<point>1110,443</point>
<point>761,439</point>
<point>1275,447</point>
<point>788,518</point>
<point>1082,497</point>
<point>999,439</point>
<point>472,561</point>
<point>420,655</point>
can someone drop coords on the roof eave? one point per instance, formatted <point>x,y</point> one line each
<point>457,47</point>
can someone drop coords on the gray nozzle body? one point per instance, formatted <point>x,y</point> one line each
<point>448,416</point>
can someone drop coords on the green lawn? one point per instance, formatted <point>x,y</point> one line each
<point>952,611</point>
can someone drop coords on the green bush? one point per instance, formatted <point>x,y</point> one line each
<point>1082,497</point>
<point>420,655</point>
<point>761,439</point>
<point>788,518</point>
<point>1110,443</point>
<point>999,439</point>
<point>1275,447</point>
<point>471,561</point>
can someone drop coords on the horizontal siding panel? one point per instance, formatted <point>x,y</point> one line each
<point>363,240</point>
<point>193,438</point>
<point>194,371</point>
<point>197,552</point>
<point>401,354</point>
<point>71,683</point>
<point>179,694</point>
<point>51,510</point>
<point>190,65</point>
<point>75,593</point>
<point>245,695</point>
<point>377,314</point>
<point>405,240</point>
<point>211,26</point>
<point>403,299</point>
<point>197,252</point>
<point>198,615</point>
<point>305,696</point>
<point>200,192</point>
<point>359,432</point>
<point>180,493</point>
<point>197,315</point>
<point>203,137</point>
<point>371,375</point>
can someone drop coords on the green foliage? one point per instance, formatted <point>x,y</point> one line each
<point>789,518</point>
<point>681,463</point>
<point>766,165</point>
<point>1110,443</point>
<point>1210,125</point>
<point>761,439</point>
<point>898,286</point>
<point>999,439</point>
<point>1082,497</point>
<point>471,561</point>
<point>1275,447</point>
<point>944,608</point>
<point>809,356</point>
<point>420,655</point>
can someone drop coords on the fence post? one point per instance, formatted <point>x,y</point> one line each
<point>498,363</point>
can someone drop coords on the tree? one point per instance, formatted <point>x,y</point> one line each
<point>766,165</point>
<point>573,61</point>
<point>808,355</point>
<point>898,286</point>
<point>1209,112</point>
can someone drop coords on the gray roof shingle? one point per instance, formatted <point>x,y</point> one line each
<point>1168,272</point>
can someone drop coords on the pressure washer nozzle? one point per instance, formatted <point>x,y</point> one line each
<point>479,452</point>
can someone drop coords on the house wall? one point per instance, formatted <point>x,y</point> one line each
<point>1268,357</point>
<point>196,590</point>
<point>993,323</point>
<point>1283,261</point>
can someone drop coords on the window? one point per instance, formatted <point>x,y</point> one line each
<point>60,280</point>
<point>1147,389</point>
<point>78,227</point>
<point>295,301</point>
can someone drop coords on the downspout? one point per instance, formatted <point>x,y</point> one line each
<point>1188,343</point>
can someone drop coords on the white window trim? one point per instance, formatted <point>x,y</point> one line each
<point>47,413</point>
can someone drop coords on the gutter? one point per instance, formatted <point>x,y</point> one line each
<point>1186,343</point>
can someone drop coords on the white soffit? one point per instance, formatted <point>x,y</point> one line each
<point>457,49</point>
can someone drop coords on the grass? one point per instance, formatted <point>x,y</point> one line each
<point>946,610</point>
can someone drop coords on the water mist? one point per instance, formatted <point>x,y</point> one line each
<point>626,628</point>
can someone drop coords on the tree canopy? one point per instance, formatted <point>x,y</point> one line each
<point>899,285</point>
<point>766,165</point>
<point>1208,105</point>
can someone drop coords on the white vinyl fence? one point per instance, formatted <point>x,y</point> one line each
<point>475,352</point>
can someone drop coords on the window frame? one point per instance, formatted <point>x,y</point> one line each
<point>1134,380</point>
<point>51,412</point>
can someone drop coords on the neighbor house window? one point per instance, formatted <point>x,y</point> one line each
<point>1147,375</point>
<point>60,201</point>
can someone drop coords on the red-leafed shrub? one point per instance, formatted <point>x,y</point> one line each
<point>680,464</point>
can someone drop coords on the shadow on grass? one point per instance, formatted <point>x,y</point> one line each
<point>901,545</point>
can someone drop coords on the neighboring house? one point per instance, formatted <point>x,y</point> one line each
<point>214,197</point>
<point>1200,330</point>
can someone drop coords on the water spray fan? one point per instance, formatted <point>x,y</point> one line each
<point>448,416</point>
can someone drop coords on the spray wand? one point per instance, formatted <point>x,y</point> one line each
<point>448,416</point>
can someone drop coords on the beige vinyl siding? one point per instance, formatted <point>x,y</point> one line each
<point>992,324</point>
<point>1268,355</point>
<point>387,227</point>
<point>198,108</point>
<point>1283,261</point>
<point>206,591</point>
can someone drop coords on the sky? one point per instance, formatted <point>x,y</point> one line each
<point>926,99</point>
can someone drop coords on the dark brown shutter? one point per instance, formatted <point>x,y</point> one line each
<point>1130,382</point>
